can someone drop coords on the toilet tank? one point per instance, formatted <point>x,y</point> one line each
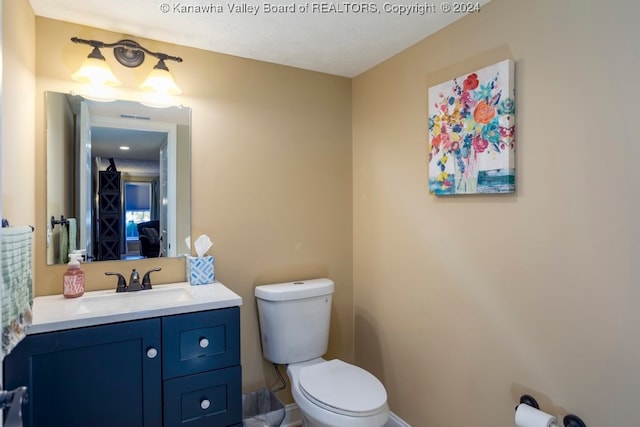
<point>294,319</point>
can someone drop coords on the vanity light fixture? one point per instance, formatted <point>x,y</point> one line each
<point>131,54</point>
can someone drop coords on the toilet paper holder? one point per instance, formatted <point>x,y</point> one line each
<point>529,400</point>
<point>569,420</point>
<point>573,421</point>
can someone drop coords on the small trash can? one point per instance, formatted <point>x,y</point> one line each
<point>262,409</point>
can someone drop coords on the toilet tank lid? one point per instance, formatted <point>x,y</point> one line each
<point>299,289</point>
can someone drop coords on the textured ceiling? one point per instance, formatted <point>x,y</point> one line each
<point>341,38</point>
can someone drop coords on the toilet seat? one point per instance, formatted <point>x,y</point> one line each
<point>343,388</point>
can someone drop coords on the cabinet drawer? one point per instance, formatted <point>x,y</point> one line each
<point>202,341</point>
<point>208,399</point>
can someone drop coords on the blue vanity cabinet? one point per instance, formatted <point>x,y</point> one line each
<point>179,370</point>
<point>94,376</point>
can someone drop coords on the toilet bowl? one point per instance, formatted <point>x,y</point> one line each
<point>337,394</point>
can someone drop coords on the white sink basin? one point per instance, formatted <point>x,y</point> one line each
<point>131,301</point>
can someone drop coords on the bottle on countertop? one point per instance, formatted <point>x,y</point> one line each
<point>73,279</point>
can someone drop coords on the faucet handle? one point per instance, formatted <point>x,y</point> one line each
<point>122,283</point>
<point>146,280</point>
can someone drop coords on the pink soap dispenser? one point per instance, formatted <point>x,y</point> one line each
<point>73,279</point>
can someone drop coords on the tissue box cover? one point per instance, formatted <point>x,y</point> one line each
<point>200,270</point>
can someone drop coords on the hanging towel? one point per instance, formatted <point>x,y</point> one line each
<point>64,243</point>
<point>71,225</point>
<point>17,281</point>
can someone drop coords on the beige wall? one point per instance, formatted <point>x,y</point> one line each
<point>463,304</point>
<point>271,174</point>
<point>18,133</point>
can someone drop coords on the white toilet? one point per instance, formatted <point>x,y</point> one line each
<point>294,325</point>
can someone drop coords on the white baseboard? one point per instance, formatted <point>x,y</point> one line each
<point>293,418</point>
<point>396,421</point>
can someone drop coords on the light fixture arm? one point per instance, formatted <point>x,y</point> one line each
<point>128,52</point>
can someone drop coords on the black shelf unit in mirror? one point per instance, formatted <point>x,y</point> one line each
<point>109,220</point>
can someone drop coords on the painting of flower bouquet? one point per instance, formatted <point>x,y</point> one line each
<point>471,133</point>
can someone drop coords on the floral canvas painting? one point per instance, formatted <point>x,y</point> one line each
<point>471,133</point>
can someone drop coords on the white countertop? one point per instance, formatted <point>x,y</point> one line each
<point>55,312</point>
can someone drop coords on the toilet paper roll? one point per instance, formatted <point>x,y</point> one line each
<point>528,416</point>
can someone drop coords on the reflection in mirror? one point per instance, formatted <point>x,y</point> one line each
<point>118,179</point>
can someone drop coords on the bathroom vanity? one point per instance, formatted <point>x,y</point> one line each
<point>169,356</point>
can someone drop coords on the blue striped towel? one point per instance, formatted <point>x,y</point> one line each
<point>17,281</point>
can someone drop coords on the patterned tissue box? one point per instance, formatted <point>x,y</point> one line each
<point>200,270</point>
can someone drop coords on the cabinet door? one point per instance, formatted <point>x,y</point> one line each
<point>95,376</point>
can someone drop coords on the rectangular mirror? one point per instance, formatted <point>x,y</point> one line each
<point>118,179</point>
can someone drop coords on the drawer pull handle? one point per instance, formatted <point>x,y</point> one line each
<point>204,404</point>
<point>152,353</point>
<point>204,343</point>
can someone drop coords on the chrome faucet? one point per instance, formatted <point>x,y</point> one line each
<point>134,281</point>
